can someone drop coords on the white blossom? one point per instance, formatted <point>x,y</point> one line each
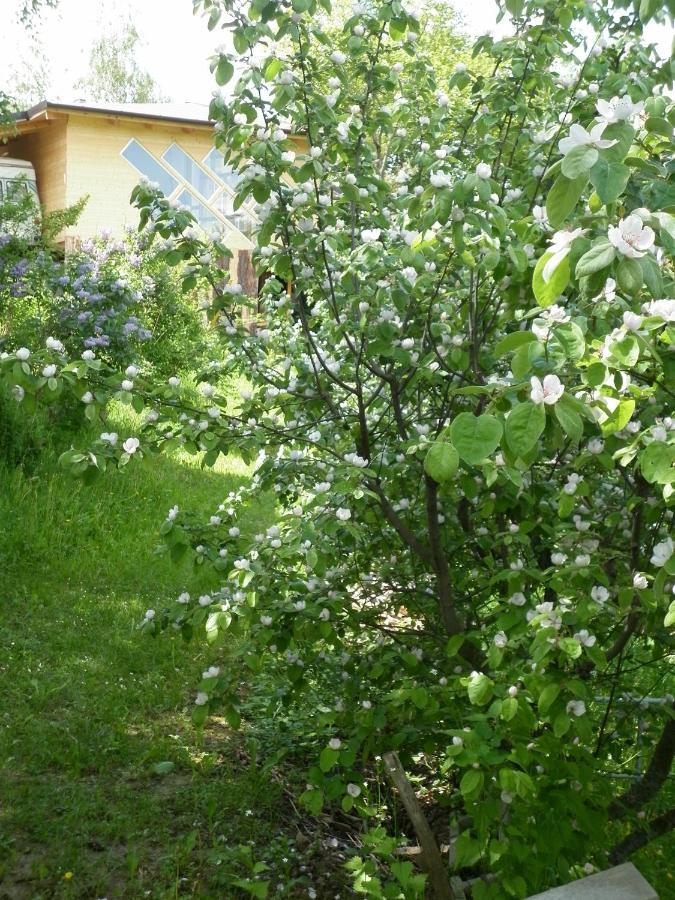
<point>618,109</point>
<point>579,137</point>
<point>440,180</point>
<point>662,309</point>
<point>631,236</point>
<point>584,638</point>
<point>662,552</point>
<point>549,391</point>
<point>632,321</point>
<point>639,581</point>
<point>599,593</point>
<point>131,445</point>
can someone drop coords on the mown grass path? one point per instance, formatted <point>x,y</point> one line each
<point>106,789</point>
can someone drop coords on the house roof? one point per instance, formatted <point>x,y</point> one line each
<point>192,113</point>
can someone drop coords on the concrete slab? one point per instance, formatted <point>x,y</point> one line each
<point>620,883</point>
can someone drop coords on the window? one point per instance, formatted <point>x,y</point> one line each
<point>188,169</point>
<point>206,219</point>
<point>214,160</point>
<point>188,179</point>
<point>147,165</point>
<point>240,218</point>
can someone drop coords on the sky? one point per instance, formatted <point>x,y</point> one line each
<point>176,44</point>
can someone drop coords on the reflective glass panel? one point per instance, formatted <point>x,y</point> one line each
<point>207,220</point>
<point>147,165</point>
<point>185,165</point>
<point>214,160</point>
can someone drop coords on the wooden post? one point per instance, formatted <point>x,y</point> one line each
<point>438,876</point>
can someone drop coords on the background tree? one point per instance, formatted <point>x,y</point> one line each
<point>114,74</point>
<point>31,77</point>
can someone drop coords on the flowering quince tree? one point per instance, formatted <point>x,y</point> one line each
<point>459,394</point>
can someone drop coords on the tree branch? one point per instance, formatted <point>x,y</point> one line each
<point>641,792</point>
<point>636,839</point>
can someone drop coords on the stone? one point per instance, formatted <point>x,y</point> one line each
<point>620,883</point>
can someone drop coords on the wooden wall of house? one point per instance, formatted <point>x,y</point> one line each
<point>45,147</point>
<point>96,167</point>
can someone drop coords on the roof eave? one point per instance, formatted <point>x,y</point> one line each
<point>46,105</point>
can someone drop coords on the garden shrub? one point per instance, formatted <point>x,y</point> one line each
<point>116,295</point>
<point>463,409</point>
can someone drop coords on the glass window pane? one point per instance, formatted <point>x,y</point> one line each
<point>214,160</point>
<point>190,170</point>
<point>240,218</point>
<point>207,219</point>
<point>147,165</point>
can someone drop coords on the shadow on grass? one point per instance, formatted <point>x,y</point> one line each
<point>92,707</point>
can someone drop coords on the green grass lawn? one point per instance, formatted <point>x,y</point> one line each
<point>106,789</point>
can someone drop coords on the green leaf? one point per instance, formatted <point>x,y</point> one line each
<point>519,258</point>
<point>479,689</point>
<point>598,257</point>
<point>609,179</point>
<point>651,273</point>
<point>441,461</point>
<point>524,357</point>
<point>579,161</point>
<point>563,198</point>
<point>621,132</point>
<point>509,708</point>
<point>561,725</point>
<point>224,71</point>
<point>163,768</point>
<point>619,418</point>
<point>548,697</point>
<point>629,275</point>
<point>660,126</point>
<point>328,758</point>
<point>513,341</point>
<point>627,350</point>
<point>648,8</point>
<point>524,425</point>
<point>471,783</point>
<point>547,292</point>
<point>454,645</point>
<point>571,339</point>
<point>312,800</point>
<point>667,223</point>
<point>670,615</point>
<point>419,697</point>
<point>475,437</point>
<point>656,462</point>
<point>570,422</point>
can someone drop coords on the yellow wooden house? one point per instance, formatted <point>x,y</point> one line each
<point>101,152</point>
